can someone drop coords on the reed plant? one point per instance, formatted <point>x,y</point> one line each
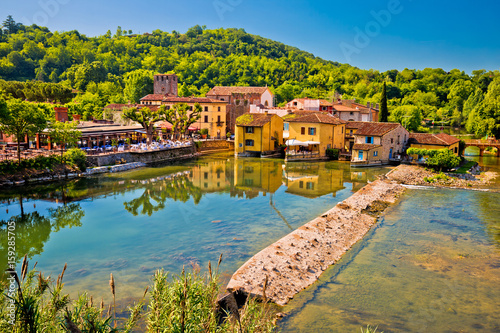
<point>183,303</point>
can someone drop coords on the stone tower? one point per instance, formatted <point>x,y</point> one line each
<point>165,84</point>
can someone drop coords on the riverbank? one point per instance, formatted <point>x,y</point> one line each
<point>297,260</point>
<point>417,175</point>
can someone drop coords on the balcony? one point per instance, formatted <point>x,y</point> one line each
<point>220,123</point>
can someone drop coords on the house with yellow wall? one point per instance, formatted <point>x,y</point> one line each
<point>213,113</point>
<point>257,133</point>
<point>434,141</point>
<point>314,133</point>
<point>313,180</point>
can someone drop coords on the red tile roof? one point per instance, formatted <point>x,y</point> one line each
<point>354,124</point>
<point>441,139</point>
<point>376,129</point>
<point>365,146</point>
<point>153,97</point>
<point>226,91</point>
<point>254,119</point>
<point>317,117</point>
<point>191,100</point>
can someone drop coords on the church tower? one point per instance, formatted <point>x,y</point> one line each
<point>165,84</point>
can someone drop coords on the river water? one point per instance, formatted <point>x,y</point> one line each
<point>432,264</point>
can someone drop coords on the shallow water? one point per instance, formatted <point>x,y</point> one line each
<point>431,265</point>
<point>132,223</point>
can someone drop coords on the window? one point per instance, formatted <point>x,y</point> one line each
<point>398,140</point>
<point>286,126</point>
<point>351,113</point>
<point>375,153</point>
<point>248,182</point>
<point>205,175</point>
<point>191,108</point>
<point>369,139</point>
<point>266,103</point>
<point>218,108</point>
<point>310,185</point>
<point>312,130</point>
<point>206,119</point>
<point>205,185</point>
<point>249,143</point>
<point>168,107</point>
<point>249,130</point>
<point>302,130</point>
<point>301,184</point>
<point>218,119</point>
<point>350,132</point>
<point>206,108</point>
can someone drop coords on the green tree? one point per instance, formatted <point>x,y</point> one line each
<point>181,117</point>
<point>10,26</point>
<point>383,115</point>
<point>64,133</point>
<point>138,84</point>
<point>409,116</point>
<point>19,118</point>
<point>146,118</point>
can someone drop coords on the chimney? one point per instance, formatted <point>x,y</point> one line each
<point>377,106</point>
<point>61,114</point>
<point>368,105</point>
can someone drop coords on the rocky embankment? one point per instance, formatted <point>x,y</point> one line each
<point>418,175</point>
<point>296,261</point>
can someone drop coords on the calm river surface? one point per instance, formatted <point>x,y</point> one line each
<point>431,265</point>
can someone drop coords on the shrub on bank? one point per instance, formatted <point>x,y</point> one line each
<point>76,157</point>
<point>332,153</point>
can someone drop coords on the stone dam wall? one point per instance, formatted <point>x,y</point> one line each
<point>297,260</point>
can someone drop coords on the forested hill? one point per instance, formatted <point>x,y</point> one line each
<point>118,67</point>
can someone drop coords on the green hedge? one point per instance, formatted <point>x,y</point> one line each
<point>333,153</point>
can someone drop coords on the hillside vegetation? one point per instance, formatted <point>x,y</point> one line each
<point>117,68</point>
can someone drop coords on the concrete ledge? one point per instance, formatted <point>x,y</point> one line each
<point>114,168</point>
<point>297,260</point>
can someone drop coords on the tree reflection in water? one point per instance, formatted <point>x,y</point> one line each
<point>156,193</point>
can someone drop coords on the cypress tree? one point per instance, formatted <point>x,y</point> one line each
<point>383,115</point>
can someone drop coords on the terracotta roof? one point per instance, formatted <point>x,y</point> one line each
<point>253,119</point>
<point>324,102</point>
<point>153,97</point>
<point>376,129</point>
<point>191,100</point>
<point>354,124</point>
<point>345,108</point>
<point>219,90</point>
<point>317,117</point>
<point>441,139</point>
<point>365,146</point>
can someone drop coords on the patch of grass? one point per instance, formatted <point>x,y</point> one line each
<point>465,167</point>
<point>436,178</point>
<point>370,329</point>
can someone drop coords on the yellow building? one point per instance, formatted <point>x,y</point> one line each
<point>434,141</point>
<point>315,132</point>
<point>257,133</point>
<point>213,113</point>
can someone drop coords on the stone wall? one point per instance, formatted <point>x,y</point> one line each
<point>147,157</point>
<point>216,144</point>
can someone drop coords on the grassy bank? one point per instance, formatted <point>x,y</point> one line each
<point>188,302</point>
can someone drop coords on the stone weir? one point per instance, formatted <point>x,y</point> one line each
<point>297,260</point>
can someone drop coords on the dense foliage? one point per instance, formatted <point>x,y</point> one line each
<point>442,159</point>
<point>117,68</point>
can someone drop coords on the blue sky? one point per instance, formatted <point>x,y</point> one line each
<point>388,34</point>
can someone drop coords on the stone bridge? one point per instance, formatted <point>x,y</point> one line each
<point>483,144</point>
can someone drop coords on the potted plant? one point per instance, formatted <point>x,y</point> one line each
<point>204,133</point>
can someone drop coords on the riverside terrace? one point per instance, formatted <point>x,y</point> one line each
<point>97,138</point>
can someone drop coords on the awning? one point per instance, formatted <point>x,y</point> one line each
<point>192,128</point>
<point>294,142</point>
<point>309,143</point>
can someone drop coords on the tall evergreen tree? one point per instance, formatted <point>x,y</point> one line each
<point>383,115</point>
